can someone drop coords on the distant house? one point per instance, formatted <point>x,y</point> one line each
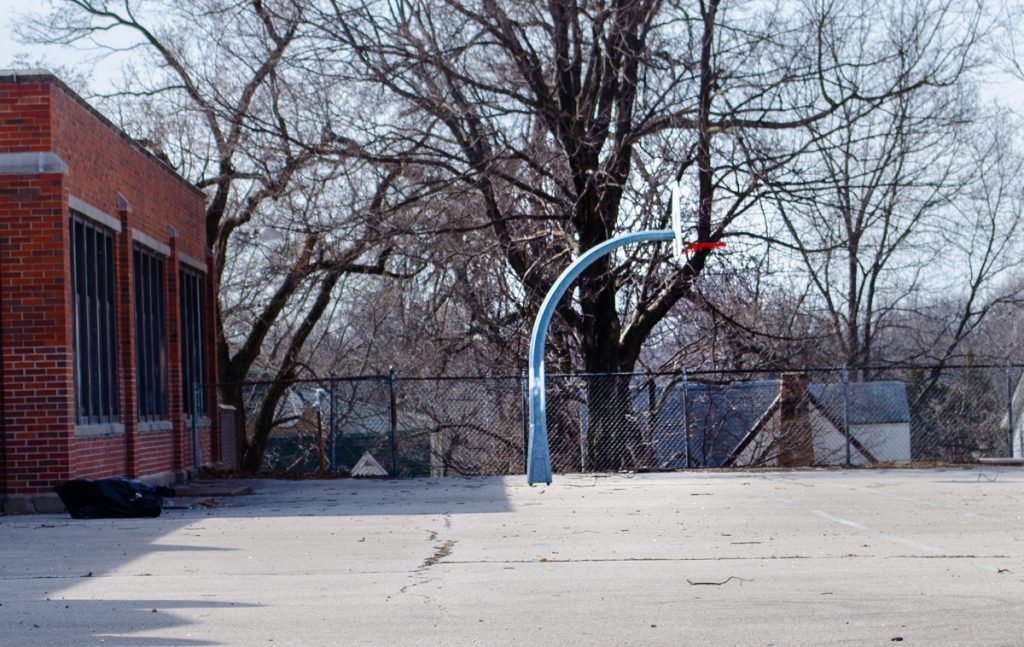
<point>751,423</point>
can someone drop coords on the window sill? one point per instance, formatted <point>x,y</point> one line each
<point>203,421</point>
<point>99,430</point>
<point>155,425</point>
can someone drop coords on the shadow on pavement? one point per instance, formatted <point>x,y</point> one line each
<point>84,622</point>
<point>349,497</point>
<point>51,566</point>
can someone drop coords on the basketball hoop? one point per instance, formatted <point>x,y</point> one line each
<point>680,248</point>
<point>538,454</point>
<point>677,224</point>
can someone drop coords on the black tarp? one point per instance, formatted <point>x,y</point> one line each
<point>112,498</point>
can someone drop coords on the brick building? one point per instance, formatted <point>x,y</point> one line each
<point>106,301</point>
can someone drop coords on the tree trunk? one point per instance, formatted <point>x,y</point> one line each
<point>615,437</point>
<point>252,459</point>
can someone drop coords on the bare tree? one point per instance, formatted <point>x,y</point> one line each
<point>554,124</point>
<point>230,94</point>
<point>910,245</point>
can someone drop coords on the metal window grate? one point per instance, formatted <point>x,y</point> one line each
<point>92,277</point>
<point>192,342</point>
<point>150,335</point>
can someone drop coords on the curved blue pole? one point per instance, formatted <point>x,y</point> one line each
<point>538,461</point>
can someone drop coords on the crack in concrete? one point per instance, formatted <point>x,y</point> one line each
<point>440,552</point>
<point>590,560</point>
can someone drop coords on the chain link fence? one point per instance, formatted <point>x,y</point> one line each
<point>418,427</point>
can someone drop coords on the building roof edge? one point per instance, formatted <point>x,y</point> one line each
<point>18,76</point>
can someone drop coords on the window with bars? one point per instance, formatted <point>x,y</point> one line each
<point>193,343</point>
<point>150,335</point>
<point>92,279</point>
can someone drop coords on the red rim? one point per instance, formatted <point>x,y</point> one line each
<point>693,247</point>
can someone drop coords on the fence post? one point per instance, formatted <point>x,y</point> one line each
<point>321,449</point>
<point>333,425</point>
<point>846,410</point>
<point>524,395</point>
<point>686,423</point>
<point>394,421</point>
<point>1009,408</point>
<point>584,424</point>
<point>652,423</point>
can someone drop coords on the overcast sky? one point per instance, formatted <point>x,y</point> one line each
<point>100,75</point>
<point>1003,88</point>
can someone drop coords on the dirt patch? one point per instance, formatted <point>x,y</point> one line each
<point>442,551</point>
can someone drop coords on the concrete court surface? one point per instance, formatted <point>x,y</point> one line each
<point>921,557</point>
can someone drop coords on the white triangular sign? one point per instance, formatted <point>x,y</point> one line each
<point>368,466</point>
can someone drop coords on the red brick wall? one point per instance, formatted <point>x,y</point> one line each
<point>174,398</point>
<point>36,332</point>
<point>103,164</point>
<point>25,117</point>
<point>40,448</point>
<point>156,452</point>
<point>125,327</point>
<point>98,457</point>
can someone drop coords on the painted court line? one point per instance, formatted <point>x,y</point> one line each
<point>910,543</point>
